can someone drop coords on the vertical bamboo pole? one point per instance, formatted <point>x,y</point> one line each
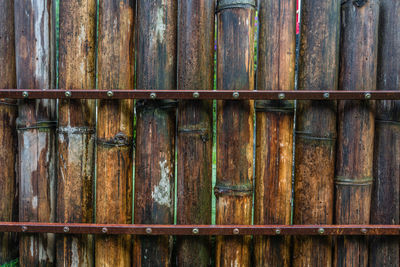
<point>155,132</point>
<point>234,185</point>
<point>358,68</point>
<point>316,129</point>
<point>195,71</point>
<point>274,142</point>
<point>76,128</point>
<point>8,137</point>
<point>384,251</point>
<point>115,130</point>
<point>36,127</point>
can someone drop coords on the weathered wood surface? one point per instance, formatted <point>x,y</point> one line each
<point>34,40</point>
<point>384,251</point>
<point>76,129</point>
<point>155,130</point>
<point>195,72</point>
<point>353,181</point>
<point>316,129</point>
<point>274,140</point>
<point>8,133</point>
<point>234,184</point>
<point>115,130</point>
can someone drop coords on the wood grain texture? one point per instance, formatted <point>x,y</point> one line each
<point>115,130</point>
<point>234,184</point>
<point>384,251</point>
<point>8,133</point>
<point>274,141</point>
<point>76,129</point>
<point>195,72</point>
<point>34,40</point>
<point>356,125</point>
<point>316,129</point>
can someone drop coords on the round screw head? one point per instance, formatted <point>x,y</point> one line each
<point>66,229</point>
<point>195,231</point>
<point>110,93</point>
<point>367,95</point>
<point>235,95</point>
<point>278,231</point>
<point>326,95</point>
<point>68,94</point>
<point>25,94</point>
<point>235,231</point>
<point>24,228</point>
<point>153,95</point>
<point>196,95</point>
<point>104,230</point>
<point>321,231</point>
<point>148,231</point>
<point>281,96</point>
<point>363,230</point>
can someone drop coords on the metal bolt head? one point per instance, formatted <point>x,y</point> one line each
<point>195,231</point>
<point>278,231</point>
<point>104,230</point>
<point>196,95</point>
<point>281,96</point>
<point>24,228</point>
<point>363,230</point>
<point>235,95</point>
<point>66,229</point>
<point>321,231</point>
<point>367,95</point>
<point>110,93</point>
<point>153,95</point>
<point>326,95</point>
<point>235,231</point>
<point>68,94</point>
<point>148,231</point>
<point>25,94</point>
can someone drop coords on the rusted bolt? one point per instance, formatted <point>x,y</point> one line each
<point>281,96</point>
<point>363,230</point>
<point>148,231</point>
<point>153,95</point>
<point>367,95</point>
<point>25,94</point>
<point>235,95</point>
<point>235,231</point>
<point>68,94</point>
<point>278,231</point>
<point>326,95</point>
<point>24,228</point>
<point>66,229</point>
<point>196,95</point>
<point>321,231</point>
<point>110,94</point>
<point>104,230</point>
<point>195,231</point>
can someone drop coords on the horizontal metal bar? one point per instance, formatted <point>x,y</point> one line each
<point>198,94</point>
<point>140,229</point>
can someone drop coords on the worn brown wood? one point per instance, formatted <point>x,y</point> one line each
<point>384,251</point>
<point>353,181</point>
<point>316,129</point>
<point>195,71</point>
<point>76,129</point>
<point>8,133</point>
<point>115,130</point>
<point>36,128</point>
<point>274,141</point>
<point>155,130</point>
<point>234,184</point>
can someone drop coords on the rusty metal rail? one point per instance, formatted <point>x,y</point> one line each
<point>198,94</point>
<point>140,229</point>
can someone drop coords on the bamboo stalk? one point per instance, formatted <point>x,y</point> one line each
<point>384,251</point>
<point>76,129</point>
<point>34,40</point>
<point>195,72</point>
<point>8,133</point>
<point>115,130</point>
<point>358,69</point>
<point>155,130</point>
<point>316,129</point>
<point>274,142</point>
<point>234,185</point>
